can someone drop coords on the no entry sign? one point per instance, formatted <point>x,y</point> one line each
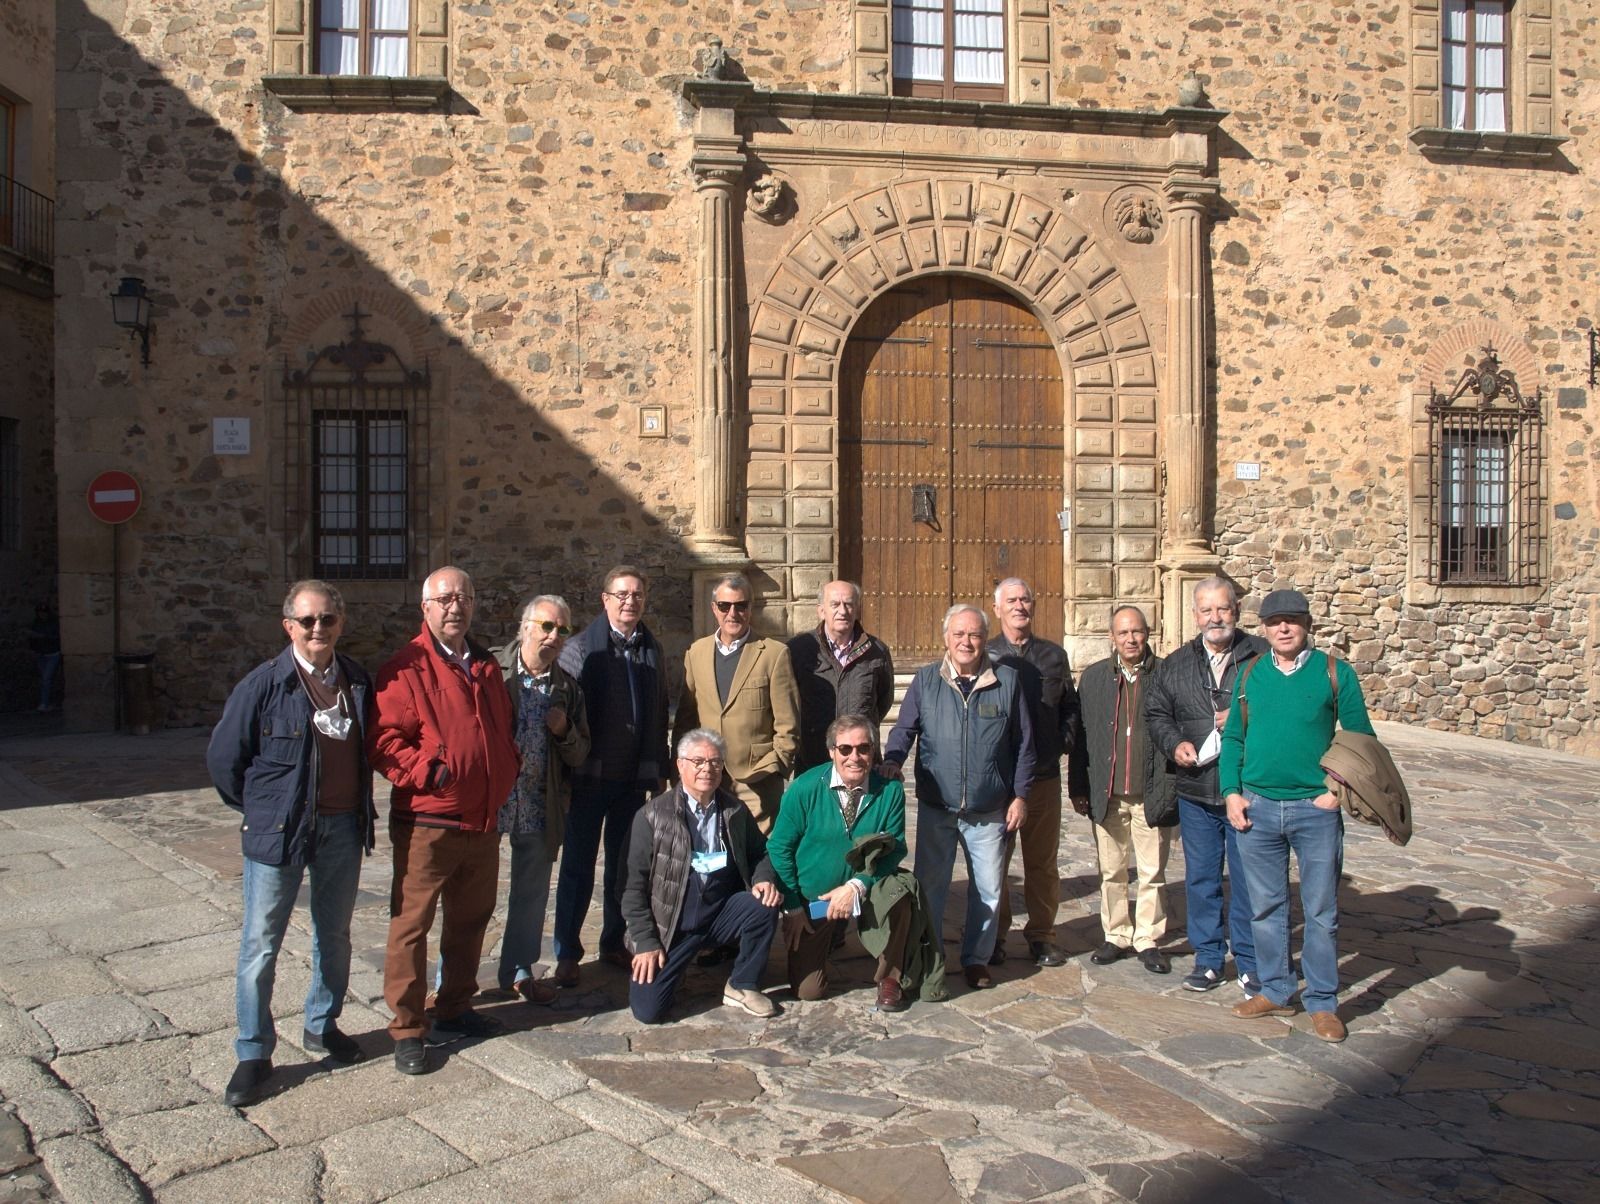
<point>114,497</point>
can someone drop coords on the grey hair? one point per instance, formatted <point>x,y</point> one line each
<point>855,590</point>
<point>448,568</point>
<point>1215,583</point>
<point>958,608</point>
<point>736,581</point>
<point>849,723</point>
<point>312,585</point>
<point>702,735</point>
<point>538,600</point>
<point>1008,582</point>
<point>1143,618</point>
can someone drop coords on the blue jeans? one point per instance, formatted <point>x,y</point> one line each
<point>596,805</point>
<point>269,895</point>
<point>982,839</point>
<point>741,920</point>
<point>1316,837</point>
<point>1208,840</point>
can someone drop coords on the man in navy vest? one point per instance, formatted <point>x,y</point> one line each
<point>974,736</point>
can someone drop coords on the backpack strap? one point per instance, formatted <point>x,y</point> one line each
<point>1333,684</point>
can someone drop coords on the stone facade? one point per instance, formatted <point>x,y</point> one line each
<point>27,536</point>
<point>569,235</point>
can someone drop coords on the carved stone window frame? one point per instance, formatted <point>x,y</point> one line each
<point>1029,50</point>
<point>294,80</point>
<point>1530,100</point>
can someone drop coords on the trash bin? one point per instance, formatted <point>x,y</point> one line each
<point>136,679</point>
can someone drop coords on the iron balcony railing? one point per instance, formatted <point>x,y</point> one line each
<point>27,222</point>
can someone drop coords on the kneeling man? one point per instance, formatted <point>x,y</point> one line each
<point>697,876</point>
<point>824,813</point>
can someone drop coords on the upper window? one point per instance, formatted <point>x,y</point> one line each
<point>8,137</point>
<point>360,499</point>
<point>950,48</point>
<point>363,37</point>
<point>1484,450</point>
<point>1475,44</point>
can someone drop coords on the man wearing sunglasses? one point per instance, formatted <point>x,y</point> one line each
<point>825,812</point>
<point>289,753</point>
<point>552,732</point>
<point>621,669</point>
<point>443,738</point>
<point>742,687</point>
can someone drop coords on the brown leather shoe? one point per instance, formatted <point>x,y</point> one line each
<point>1328,1026</point>
<point>890,997</point>
<point>1258,1006</point>
<point>566,974</point>
<point>537,990</point>
<point>977,977</point>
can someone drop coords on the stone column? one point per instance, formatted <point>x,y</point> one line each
<point>1187,554</point>
<point>718,175</point>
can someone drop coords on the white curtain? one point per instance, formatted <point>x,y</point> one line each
<point>339,54</point>
<point>919,39</point>
<point>980,38</point>
<point>341,14</point>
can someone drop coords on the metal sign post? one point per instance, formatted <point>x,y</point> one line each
<point>114,497</point>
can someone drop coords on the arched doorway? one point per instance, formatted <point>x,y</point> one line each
<point>952,459</point>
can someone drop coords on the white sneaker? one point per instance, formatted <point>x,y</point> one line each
<point>751,1001</point>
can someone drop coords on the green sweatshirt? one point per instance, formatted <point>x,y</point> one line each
<point>809,841</point>
<point>1291,726</point>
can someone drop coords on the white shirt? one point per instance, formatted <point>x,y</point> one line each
<point>836,784</point>
<point>1299,661</point>
<point>327,677</point>
<point>1219,662</point>
<point>730,649</point>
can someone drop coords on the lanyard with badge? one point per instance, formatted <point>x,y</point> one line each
<point>714,859</point>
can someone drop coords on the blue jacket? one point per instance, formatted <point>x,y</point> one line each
<point>974,754</point>
<point>263,759</point>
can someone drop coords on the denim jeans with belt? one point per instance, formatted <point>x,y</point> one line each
<point>1316,837</point>
<point>269,895</point>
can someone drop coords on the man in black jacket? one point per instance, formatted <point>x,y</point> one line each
<point>840,670</point>
<point>698,876</point>
<point>620,668</point>
<point>1186,708</point>
<point>1121,782</point>
<point>1046,678</point>
<point>290,753</point>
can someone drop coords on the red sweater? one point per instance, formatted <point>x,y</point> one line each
<point>429,714</point>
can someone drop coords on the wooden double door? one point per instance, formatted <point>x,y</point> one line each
<point>952,460</point>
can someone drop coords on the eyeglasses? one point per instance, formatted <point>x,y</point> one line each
<point>309,621</point>
<point>547,626</point>
<point>625,595</point>
<point>701,764</point>
<point>446,601</point>
<point>851,750</point>
<point>725,607</point>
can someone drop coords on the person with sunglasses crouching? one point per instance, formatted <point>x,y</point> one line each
<point>551,725</point>
<point>289,754</point>
<point>742,687</point>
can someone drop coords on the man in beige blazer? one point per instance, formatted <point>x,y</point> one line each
<point>742,687</point>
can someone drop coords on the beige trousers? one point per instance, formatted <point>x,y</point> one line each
<point>1125,839</point>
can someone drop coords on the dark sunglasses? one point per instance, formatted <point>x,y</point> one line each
<point>848,750</point>
<point>725,607</point>
<point>309,621</point>
<point>547,626</point>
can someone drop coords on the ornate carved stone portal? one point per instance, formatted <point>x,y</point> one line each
<point>1095,220</point>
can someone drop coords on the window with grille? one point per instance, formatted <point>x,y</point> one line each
<point>1475,41</point>
<point>1485,451</point>
<point>950,48</point>
<point>363,37</point>
<point>357,433</point>
<point>10,484</point>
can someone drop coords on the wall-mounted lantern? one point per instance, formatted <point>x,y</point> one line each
<point>130,309</point>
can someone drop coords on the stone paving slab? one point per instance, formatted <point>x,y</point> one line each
<point>1469,971</point>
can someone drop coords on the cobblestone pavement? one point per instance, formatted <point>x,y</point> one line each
<point>1472,1071</point>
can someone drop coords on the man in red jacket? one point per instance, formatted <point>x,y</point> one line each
<point>443,736</point>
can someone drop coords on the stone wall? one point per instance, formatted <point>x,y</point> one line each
<point>538,243</point>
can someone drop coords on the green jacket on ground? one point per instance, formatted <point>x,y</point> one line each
<point>922,974</point>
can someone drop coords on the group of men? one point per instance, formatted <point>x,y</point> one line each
<point>560,742</point>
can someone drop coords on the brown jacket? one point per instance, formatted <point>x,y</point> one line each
<point>761,719</point>
<point>1363,777</point>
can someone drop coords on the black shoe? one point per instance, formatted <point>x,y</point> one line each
<point>469,1024</point>
<point>1046,954</point>
<point>1155,961</point>
<point>410,1056</point>
<point>1108,953</point>
<point>998,957</point>
<point>333,1044</point>
<point>248,1079</point>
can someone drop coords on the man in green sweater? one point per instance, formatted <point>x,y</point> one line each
<point>1279,726</point>
<point>824,812</point>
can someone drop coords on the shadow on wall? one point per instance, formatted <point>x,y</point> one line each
<point>152,185</point>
